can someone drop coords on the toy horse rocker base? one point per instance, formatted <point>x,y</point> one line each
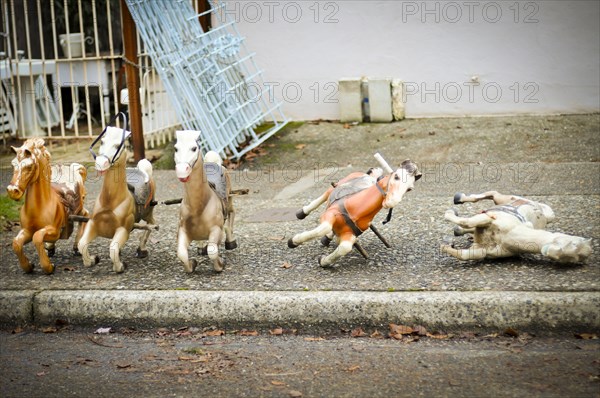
<point>353,204</point>
<point>126,198</point>
<point>514,226</point>
<point>51,197</point>
<point>206,212</point>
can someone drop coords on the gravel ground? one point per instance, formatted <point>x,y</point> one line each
<point>553,159</point>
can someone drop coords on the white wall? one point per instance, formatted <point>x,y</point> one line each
<point>531,57</point>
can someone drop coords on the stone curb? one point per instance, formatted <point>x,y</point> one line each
<point>534,311</point>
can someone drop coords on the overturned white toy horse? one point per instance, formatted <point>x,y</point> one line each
<point>206,212</point>
<point>514,226</point>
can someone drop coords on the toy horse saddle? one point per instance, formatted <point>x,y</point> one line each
<point>217,180</point>
<point>351,187</point>
<point>138,182</point>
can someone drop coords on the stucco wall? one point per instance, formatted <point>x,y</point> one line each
<point>457,58</point>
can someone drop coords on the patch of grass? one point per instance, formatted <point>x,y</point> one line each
<point>166,161</point>
<point>194,350</point>
<point>9,209</point>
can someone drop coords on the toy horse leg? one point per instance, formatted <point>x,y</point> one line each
<point>460,231</point>
<point>183,242</point>
<point>214,238</point>
<point>474,252</point>
<point>480,220</point>
<point>323,229</point>
<point>89,234</point>
<point>79,234</point>
<point>497,197</point>
<point>312,206</point>
<point>38,241</point>
<point>346,244</point>
<point>141,251</point>
<point>23,237</point>
<point>230,242</point>
<point>118,241</point>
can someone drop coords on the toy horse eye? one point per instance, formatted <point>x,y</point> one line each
<point>396,177</point>
<point>194,149</point>
<point>176,149</point>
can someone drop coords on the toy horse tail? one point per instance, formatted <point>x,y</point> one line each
<point>145,166</point>
<point>79,173</point>
<point>213,157</point>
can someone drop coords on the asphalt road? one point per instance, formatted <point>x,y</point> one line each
<point>186,362</point>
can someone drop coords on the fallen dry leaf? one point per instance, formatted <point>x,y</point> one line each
<point>295,394</point>
<point>358,332</point>
<point>346,125</point>
<point>49,329</point>
<point>353,368</point>
<point>286,265</point>
<point>420,330</point>
<point>300,146</point>
<point>587,336</point>
<point>248,333</point>
<point>102,331</point>
<point>40,374</point>
<point>276,237</point>
<point>314,339</point>
<point>69,268</point>
<point>376,335</point>
<point>400,329</point>
<point>277,383</point>
<point>215,333</point>
<point>276,332</point>
<point>17,330</point>
<point>511,332</point>
<point>123,365</point>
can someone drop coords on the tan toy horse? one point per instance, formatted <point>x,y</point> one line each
<point>348,216</point>
<point>126,198</point>
<point>48,204</point>
<point>514,226</point>
<point>206,212</point>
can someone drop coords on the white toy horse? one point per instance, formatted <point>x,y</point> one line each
<point>206,212</point>
<point>126,198</point>
<point>514,226</point>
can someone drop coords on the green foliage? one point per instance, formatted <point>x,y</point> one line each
<point>9,209</point>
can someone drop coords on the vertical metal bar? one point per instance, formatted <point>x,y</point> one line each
<point>112,57</point>
<point>133,82</point>
<point>18,100</point>
<point>57,92</point>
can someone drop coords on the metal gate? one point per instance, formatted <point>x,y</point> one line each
<point>212,80</point>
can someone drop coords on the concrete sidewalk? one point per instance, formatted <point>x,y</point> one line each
<point>554,159</point>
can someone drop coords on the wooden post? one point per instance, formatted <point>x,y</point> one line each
<point>133,82</point>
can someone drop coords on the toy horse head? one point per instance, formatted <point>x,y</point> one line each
<point>400,181</point>
<point>187,153</point>
<point>112,146</point>
<point>27,167</point>
<point>568,249</point>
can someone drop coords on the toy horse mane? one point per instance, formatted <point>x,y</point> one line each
<point>37,147</point>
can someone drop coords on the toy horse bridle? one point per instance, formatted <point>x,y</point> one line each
<point>117,153</point>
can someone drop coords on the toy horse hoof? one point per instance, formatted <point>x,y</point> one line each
<point>119,268</point>
<point>49,270</point>
<point>141,253</point>
<point>321,262</point>
<point>458,198</point>
<point>219,265</point>
<point>76,252</point>
<point>458,231</point>
<point>203,251</point>
<point>231,245</point>
<point>51,252</point>
<point>291,244</point>
<point>325,241</point>
<point>300,214</point>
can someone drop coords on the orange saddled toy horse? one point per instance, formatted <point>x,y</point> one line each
<point>50,198</point>
<point>348,216</point>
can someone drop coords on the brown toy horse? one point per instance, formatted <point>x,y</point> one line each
<point>125,199</point>
<point>349,216</point>
<point>50,198</point>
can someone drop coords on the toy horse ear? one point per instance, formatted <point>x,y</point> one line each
<point>418,176</point>
<point>15,150</point>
